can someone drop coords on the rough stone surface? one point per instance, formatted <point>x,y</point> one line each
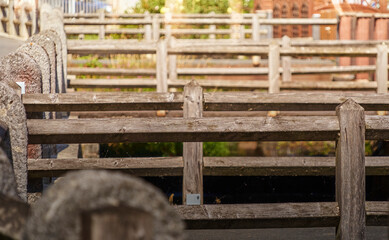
<point>53,36</point>
<point>20,67</point>
<point>49,47</point>
<point>52,19</point>
<point>13,217</point>
<point>13,115</point>
<point>7,178</point>
<point>40,56</point>
<point>57,214</point>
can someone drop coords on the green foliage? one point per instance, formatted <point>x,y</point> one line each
<point>152,6</point>
<point>205,6</point>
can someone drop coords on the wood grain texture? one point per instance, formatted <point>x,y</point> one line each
<point>161,68</point>
<point>213,166</point>
<point>382,68</point>
<point>193,151</point>
<point>350,171</point>
<point>111,71</point>
<point>288,128</point>
<point>279,215</point>
<point>225,84</point>
<point>183,130</point>
<point>274,65</point>
<point>232,216</point>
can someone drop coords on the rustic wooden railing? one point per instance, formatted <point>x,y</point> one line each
<point>21,23</point>
<point>349,162</point>
<point>152,24</point>
<point>167,72</point>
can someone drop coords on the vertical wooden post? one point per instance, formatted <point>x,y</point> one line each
<point>162,85</point>
<point>147,27</point>
<point>193,151</point>
<point>102,27</point>
<point>286,61</point>
<point>156,28</point>
<point>382,68</point>
<point>212,27</point>
<point>172,61</point>
<point>168,27</point>
<point>11,17</point>
<point>242,35</point>
<point>350,171</point>
<point>270,27</point>
<point>255,33</point>
<point>274,67</point>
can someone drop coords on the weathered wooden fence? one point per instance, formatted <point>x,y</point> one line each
<point>239,26</point>
<point>348,164</point>
<point>21,22</point>
<point>167,73</point>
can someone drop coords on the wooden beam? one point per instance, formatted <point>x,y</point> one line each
<point>186,130</point>
<point>350,171</point>
<point>105,101</point>
<point>241,216</point>
<point>216,101</point>
<point>193,151</point>
<point>110,47</point>
<point>274,68</point>
<point>382,68</point>
<point>213,166</point>
<point>161,67</point>
<point>106,22</point>
<point>111,71</point>
<point>269,215</point>
<point>225,84</point>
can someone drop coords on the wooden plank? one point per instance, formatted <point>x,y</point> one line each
<point>106,22</point>
<point>111,71</point>
<point>106,101</point>
<point>278,215</point>
<point>216,101</point>
<point>193,151</point>
<point>350,171</point>
<point>172,61</point>
<point>102,27</point>
<point>307,101</point>
<point>76,31</point>
<point>288,128</point>
<point>241,216</point>
<point>274,66</point>
<point>161,68</point>
<point>213,166</point>
<point>382,68</point>
<point>184,130</point>
<point>110,47</point>
<point>286,61</point>
<point>225,84</point>
<point>221,71</point>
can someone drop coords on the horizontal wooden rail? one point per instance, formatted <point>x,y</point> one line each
<point>106,22</point>
<point>132,47</point>
<point>140,15</point>
<point>218,101</point>
<point>111,71</point>
<point>311,128</point>
<point>74,31</point>
<point>198,21</point>
<point>227,84</point>
<point>221,71</point>
<point>268,215</point>
<point>213,166</point>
